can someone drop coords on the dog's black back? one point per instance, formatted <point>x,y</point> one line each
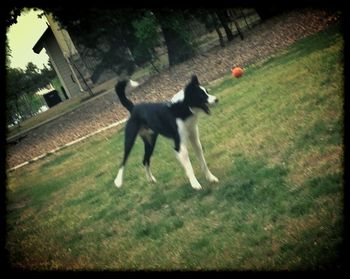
<point>160,118</point>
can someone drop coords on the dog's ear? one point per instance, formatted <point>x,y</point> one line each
<point>194,80</point>
<point>190,88</point>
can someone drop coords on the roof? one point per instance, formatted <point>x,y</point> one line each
<point>40,43</point>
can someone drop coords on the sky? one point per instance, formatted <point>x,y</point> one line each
<point>22,36</point>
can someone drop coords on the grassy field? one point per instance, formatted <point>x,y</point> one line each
<point>275,141</point>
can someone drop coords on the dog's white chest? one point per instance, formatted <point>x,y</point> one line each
<point>186,126</point>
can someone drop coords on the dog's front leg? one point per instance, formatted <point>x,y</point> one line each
<point>182,156</point>
<point>197,147</point>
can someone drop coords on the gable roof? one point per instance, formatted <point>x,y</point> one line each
<point>40,43</point>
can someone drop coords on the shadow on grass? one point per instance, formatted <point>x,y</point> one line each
<point>60,159</point>
<point>253,181</point>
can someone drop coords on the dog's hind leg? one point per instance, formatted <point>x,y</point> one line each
<point>131,131</point>
<point>149,141</point>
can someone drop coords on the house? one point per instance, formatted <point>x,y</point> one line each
<point>67,76</point>
<point>75,67</point>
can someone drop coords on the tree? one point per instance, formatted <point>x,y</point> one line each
<point>233,16</point>
<point>210,21</point>
<point>11,15</point>
<point>146,32</point>
<point>21,86</point>
<point>111,36</point>
<point>177,38</point>
<point>36,79</point>
<point>106,35</point>
<point>13,92</point>
<point>224,20</point>
<point>47,74</point>
<point>213,19</point>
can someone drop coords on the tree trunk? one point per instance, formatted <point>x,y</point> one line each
<point>245,18</point>
<point>154,66</point>
<point>240,33</point>
<point>223,18</point>
<point>221,38</point>
<point>179,49</point>
<point>217,29</point>
<point>152,60</point>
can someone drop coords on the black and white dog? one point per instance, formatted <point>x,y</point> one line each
<point>176,120</point>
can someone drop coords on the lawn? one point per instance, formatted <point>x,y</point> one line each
<point>275,141</point>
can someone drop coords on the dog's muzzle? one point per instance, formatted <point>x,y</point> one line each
<point>212,101</point>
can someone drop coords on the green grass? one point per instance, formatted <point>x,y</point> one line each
<point>274,141</point>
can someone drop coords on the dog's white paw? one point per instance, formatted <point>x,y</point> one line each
<point>212,178</point>
<point>152,179</point>
<point>118,181</point>
<point>196,185</point>
<point>149,175</point>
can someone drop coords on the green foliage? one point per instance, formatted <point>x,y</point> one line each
<point>20,88</point>
<point>124,37</point>
<point>146,32</point>
<point>105,34</point>
<point>174,24</point>
<point>11,14</point>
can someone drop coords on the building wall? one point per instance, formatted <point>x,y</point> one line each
<point>84,65</point>
<point>62,68</point>
<point>81,74</point>
<point>62,37</point>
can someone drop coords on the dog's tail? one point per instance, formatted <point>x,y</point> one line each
<point>120,89</point>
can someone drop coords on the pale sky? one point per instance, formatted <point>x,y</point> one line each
<point>22,36</point>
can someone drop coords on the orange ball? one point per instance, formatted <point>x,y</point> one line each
<point>237,72</point>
